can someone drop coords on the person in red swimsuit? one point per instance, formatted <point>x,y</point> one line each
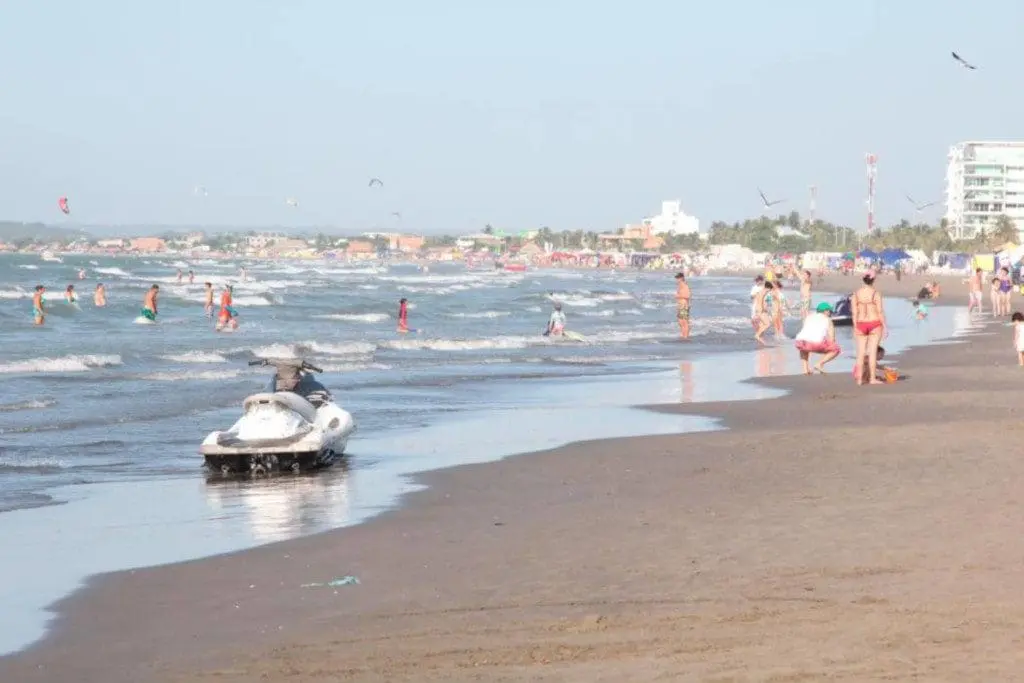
<point>403,315</point>
<point>868,327</point>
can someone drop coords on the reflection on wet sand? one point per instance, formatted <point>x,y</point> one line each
<point>686,380</point>
<point>771,361</point>
<point>284,506</point>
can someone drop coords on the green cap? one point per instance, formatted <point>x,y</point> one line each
<point>823,307</point>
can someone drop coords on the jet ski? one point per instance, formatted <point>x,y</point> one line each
<point>842,313</point>
<point>293,426</point>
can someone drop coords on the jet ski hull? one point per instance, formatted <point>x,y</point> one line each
<point>269,462</point>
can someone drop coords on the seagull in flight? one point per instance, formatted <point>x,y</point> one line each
<point>920,207</point>
<point>768,204</point>
<point>963,61</point>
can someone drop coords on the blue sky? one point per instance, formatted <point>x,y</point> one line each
<point>563,113</point>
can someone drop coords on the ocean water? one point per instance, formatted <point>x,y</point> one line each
<point>100,418</point>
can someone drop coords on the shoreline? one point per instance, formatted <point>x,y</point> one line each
<point>435,480</point>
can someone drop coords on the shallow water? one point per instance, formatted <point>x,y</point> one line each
<point>113,442</point>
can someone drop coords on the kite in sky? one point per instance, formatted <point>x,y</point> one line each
<point>377,181</point>
<point>397,215</point>
<point>291,201</point>
<point>963,61</point>
<point>62,203</point>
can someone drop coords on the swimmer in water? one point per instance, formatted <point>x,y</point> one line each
<point>100,297</point>
<point>403,315</point>
<point>556,323</point>
<point>38,301</point>
<point>81,273</point>
<point>69,294</point>
<point>241,271</point>
<point>191,277</point>
<point>149,303</point>
<point>209,300</point>
<point>180,275</point>
<point>226,317</point>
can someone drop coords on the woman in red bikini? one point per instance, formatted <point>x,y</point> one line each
<point>868,327</point>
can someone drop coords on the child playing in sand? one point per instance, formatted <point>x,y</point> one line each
<point>920,309</point>
<point>1018,335</point>
<point>882,373</point>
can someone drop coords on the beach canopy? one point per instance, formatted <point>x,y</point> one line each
<point>891,256</point>
<point>867,254</point>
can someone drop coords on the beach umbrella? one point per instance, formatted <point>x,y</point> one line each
<point>867,254</point>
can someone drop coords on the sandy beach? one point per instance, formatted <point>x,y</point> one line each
<point>840,532</point>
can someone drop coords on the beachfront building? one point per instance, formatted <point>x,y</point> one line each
<point>672,220</point>
<point>984,180</point>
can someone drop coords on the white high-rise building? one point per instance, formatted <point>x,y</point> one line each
<point>673,220</point>
<point>984,180</point>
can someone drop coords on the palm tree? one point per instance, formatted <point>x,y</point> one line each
<point>1005,230</point>
<point>488,230</point>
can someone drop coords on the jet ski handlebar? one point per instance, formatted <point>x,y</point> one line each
<point>262,362</point>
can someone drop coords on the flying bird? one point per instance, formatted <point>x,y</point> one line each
<point>377,181</point>
<point>963,61</point>
<point>768,204</point>
<point>920,207</point>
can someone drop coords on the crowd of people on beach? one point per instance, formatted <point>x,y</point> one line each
<point>817,335</point>
<point>769,307</point>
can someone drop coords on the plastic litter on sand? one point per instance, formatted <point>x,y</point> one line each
<point>334,583</point>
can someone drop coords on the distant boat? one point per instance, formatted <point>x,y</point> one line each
<point>49,256</point>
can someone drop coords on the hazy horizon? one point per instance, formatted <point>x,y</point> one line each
<point>560,114</point>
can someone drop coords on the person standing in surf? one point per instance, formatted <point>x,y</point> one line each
<point>976,296</point>
<point>100,296</point>
<point>208,309</point>
<point>755,293</point>
<point>762,309</point>
<point>38,305</point>
<point>683,306</point>
<point>403,315</point>
<point>227,315</point>
<point>805,293</point>
<point>149,303</point>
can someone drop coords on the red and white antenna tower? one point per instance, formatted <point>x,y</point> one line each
<point>872,164</point>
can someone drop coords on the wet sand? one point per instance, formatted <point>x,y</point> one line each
<point>840,532</point>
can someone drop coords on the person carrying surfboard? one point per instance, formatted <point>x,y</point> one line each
<point>556,323</point>
<point>149,303</point>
